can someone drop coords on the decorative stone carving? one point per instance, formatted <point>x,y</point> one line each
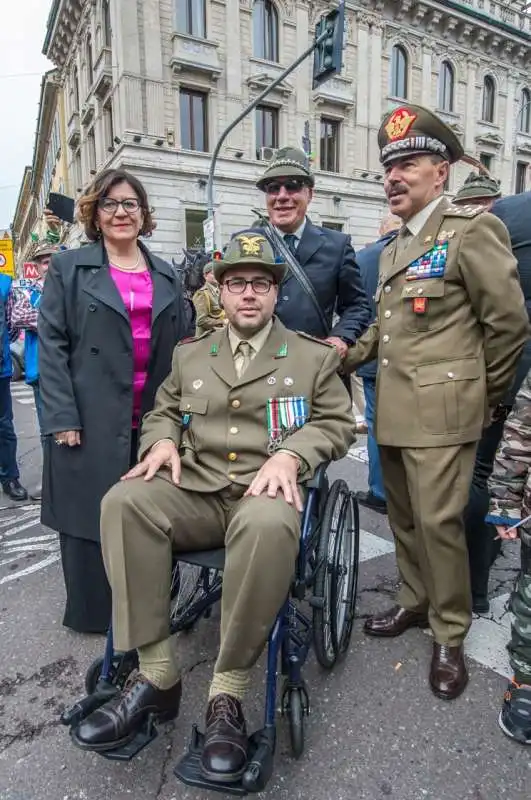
<point>418,15</point>
<point>492,139</point>
<point>403,7</point>
<point>465,33</point>
<point>434,20</point>
<point>260,80</point>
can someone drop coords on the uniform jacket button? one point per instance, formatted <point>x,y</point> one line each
<point>387,314</point>
<point>451,375</point>
<point>235,404</point>
<point>387,289</point>
<point>386,338</point>
<point>234,430</point>
<point>232,456</point>
<point>385,362</point>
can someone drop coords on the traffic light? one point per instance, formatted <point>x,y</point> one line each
<point>328,54</point>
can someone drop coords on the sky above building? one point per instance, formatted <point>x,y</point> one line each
<point>21,68</point>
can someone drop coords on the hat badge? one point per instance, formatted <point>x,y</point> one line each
<point>399,124</point>
<point>251,245</point>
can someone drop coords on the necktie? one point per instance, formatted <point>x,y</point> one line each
<point>403,240</point>
<point>291,242</point>
<point>245,350</point>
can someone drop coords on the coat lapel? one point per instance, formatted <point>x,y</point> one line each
<point>419,245</point>
<point>164,279</point>
<point>310,242</point>
<point>99,283</point>
<point>220,356</point>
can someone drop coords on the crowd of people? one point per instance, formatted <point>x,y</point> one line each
<point>150,448</point>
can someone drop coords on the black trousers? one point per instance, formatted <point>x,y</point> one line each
<point>482,547</point>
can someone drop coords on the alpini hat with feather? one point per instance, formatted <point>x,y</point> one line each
<point>289,162</point>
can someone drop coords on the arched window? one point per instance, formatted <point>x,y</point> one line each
<point>106,22</point>
<point>265,30</point>
<point>399,68</point>
<point>90,70</point>
<point>489,95</point>
<point>524,111</point>
<point>446,87</point>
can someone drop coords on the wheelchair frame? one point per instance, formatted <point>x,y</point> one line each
<point>317,570</point>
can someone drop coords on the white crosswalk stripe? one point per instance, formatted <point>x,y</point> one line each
<point>23,394</point>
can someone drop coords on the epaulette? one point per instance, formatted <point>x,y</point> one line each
<point>190,339</point>
<point>314,339</point>
<point>464,211</point>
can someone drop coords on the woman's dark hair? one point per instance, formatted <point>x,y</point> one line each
<point>87,208</point>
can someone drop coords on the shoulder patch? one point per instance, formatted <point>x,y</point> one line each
<point>314,339</point>
<point>191,339</point>
<point>467,212</point>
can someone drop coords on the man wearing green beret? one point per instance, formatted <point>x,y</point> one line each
<point>246,416</point>
<point>478,190</point>
<point>325,257</point>
<point>447,340</point>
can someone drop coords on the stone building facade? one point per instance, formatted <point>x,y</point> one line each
<point>151,84</point>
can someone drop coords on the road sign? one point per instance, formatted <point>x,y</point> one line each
<point>7,262</point>
<point>208,233</point>
<point>30,271</point>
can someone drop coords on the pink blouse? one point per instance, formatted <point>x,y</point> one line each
<point>136,290</point>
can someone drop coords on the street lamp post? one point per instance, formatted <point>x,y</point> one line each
<point>521,110</point>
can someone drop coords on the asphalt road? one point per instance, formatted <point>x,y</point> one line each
<point>375,731</point>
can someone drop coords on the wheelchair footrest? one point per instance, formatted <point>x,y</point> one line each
<point>126,752</point>
<point>255,777</point>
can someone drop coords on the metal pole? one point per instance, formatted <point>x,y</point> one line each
<point>515,141</point>
<point>250,107</point>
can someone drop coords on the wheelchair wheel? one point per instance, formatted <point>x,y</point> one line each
<point>191,586</point>
<point>336,575</point>
<point>122,666</point>
<point>295,712</point>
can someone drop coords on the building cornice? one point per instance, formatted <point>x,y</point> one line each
<point>47,108</point>
<point>24,195</point>
<point>64,21</point>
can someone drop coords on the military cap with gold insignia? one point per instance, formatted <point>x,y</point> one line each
<point>476,187</point>
<point>414,130</point>
<point>289,162</point>
<point>250,249</point>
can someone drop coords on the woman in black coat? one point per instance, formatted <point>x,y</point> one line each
<point>111,314</point>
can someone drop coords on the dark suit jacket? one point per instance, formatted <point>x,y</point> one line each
<point>86,379</point>
<point>515,212</point>
<point>328,260</point>
<point>368,261</point>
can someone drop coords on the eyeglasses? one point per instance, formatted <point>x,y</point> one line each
<point>239,285</point>
<point>291,185</point>
<point>110,205</point>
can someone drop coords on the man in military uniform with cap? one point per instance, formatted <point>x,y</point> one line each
<point>325,257</point>
<point>245,416</point>
<point>208,310</point>
<point>479,190</point>
<point>448,340</point>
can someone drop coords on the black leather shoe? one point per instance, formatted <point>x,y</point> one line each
<point>448,672</point>
<point>15,490</point>
<point>117,722</point>
<point>369,500</point>
<point>225,749</point>
<point>395,622</point>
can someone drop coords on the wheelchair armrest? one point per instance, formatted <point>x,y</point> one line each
<point>318,481</point>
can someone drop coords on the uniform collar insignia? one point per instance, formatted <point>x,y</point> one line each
<point>282,351</point>
<point>213,349</point>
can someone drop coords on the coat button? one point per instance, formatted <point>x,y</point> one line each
<point>385,362</point>
<point>92,307</point>
<point>94,351</point>
<point>387,289</point>
<point>235,404</point>
<point>387,314</point>
<point>451,375</point>
<point>234,430</point>
<point>386,338</point>
<point>232,457</point>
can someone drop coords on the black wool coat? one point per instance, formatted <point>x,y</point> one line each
<point>86,379</point>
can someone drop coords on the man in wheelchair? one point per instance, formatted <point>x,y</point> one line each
<point>244,418</point>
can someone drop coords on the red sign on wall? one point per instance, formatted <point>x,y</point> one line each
<point>30,271</point>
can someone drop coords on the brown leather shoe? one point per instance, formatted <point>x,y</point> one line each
<point>225,750</point>
<point>395,622</point>
<point>448,672</point>
<point>117,722</point>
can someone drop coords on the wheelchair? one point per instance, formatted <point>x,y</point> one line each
<point>319,611</point>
